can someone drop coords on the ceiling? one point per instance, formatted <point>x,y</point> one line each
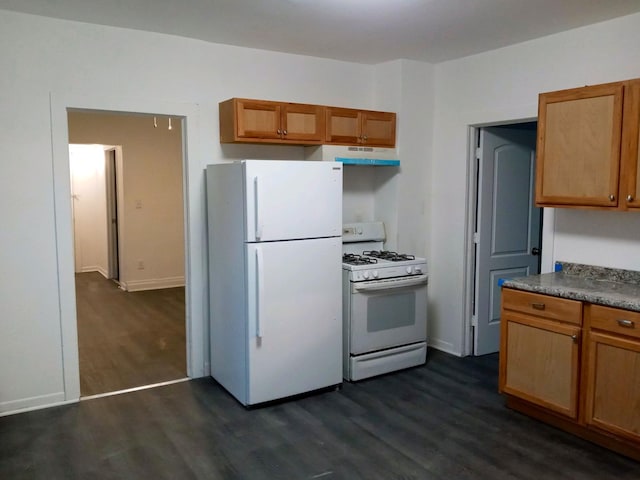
<point>363,31</point>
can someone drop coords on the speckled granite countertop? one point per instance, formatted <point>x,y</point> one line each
<point>604,286</point>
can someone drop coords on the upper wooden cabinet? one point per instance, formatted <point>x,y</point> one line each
<point>587,153</point>
<point>630,165</point>
<point>262,121</point>
<point>346,126</point>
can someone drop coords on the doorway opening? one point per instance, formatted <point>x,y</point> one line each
<point>504,226</point>
<point>129,230</point>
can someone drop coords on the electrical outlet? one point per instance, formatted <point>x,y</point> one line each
<point>140,264</point>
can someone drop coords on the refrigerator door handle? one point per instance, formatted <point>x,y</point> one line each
<point>256,200</point>
<point>259,292</point>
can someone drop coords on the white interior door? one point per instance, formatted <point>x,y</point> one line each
<point>508,224</point>
<point>292,199</point>
<point>295,317</point>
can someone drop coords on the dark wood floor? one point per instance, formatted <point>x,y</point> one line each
<point>128,339</point>
<point>444,420</point>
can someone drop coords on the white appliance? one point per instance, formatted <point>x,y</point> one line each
<point>384,305</point>
<point>274,271</point>
<point>354,155</point>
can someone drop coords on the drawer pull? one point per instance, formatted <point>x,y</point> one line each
<point>538,306</point>
<point>626,323</point>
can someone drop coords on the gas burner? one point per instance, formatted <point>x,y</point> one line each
<point>353,259</point>
<point>389,256</point>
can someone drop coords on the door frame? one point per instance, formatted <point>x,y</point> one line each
<point>548,222</point>
<point>196,301</point>
<point>113,174</point>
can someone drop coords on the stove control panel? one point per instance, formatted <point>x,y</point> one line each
<point>387,272</point>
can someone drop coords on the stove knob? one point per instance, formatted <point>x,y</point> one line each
<point>375,274</point>
<point>409,270</point>
<point>365,275</point>
<point>418,270</point>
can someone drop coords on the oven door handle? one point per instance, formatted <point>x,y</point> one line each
<point>389,285</point>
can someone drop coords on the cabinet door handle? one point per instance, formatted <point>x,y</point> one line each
<point>629,198</point>
<point>626,323</point>
<point>284,132</point>
<point>612,197</point>
<point>574,338</point>
<point>279,131</point>
<point>538,306</point>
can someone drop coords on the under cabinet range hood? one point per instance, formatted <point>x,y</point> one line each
<point>354,155</point>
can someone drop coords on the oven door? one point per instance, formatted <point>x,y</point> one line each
<point>387,313</point>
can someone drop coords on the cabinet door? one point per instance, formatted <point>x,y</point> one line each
<point>579,132</point>
<point>630,161</point>
<point>258,119</point>
<point>379,129</point>
<point>539,362</point>
<point>613,384</point>
<point>343,126</point>
<point>303,122</point>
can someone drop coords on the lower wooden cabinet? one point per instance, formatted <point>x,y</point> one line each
<point>612,379</point>
<point>539,356</point>
<point>574,365</point>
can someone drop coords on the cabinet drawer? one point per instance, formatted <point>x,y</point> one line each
<point>555,308</point>
<point>623,322</point>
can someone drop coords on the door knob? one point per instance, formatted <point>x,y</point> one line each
<point>535,251</point>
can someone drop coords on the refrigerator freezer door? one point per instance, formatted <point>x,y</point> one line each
<point>288,200</point>
<point>295,317</point>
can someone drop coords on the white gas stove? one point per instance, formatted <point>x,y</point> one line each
<point>364,257</point>
<point>384,304</point>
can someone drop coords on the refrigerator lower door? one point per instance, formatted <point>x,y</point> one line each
<point>295,317</point>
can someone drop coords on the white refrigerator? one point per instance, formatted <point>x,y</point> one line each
<point>275,248</point>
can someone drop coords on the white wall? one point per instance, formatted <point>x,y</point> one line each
<point>89,194</point>
<point>407,88</point>
<point>122,70</point>
<point>503,85</point>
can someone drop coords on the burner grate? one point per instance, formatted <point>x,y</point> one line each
<point>388,255</point>
<point>354,259</point>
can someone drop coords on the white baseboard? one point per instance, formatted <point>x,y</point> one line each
<point>152,284</point>
<point>95,268</point>
<point>33,403</point>
<point>446,347</point>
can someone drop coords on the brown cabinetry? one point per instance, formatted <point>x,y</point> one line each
<point>612,376</point>
<point>262,121</point>
<point>540,351</point>
<point>588,147</point>
<point>346,126</point>
<point>574,365</point>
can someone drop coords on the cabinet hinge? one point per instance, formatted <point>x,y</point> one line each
<point>476,237</point>
<point>478,152</point>
<point>474,320</point>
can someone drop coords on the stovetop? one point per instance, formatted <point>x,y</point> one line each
<point>379,258</point>
<point>376,264</point>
